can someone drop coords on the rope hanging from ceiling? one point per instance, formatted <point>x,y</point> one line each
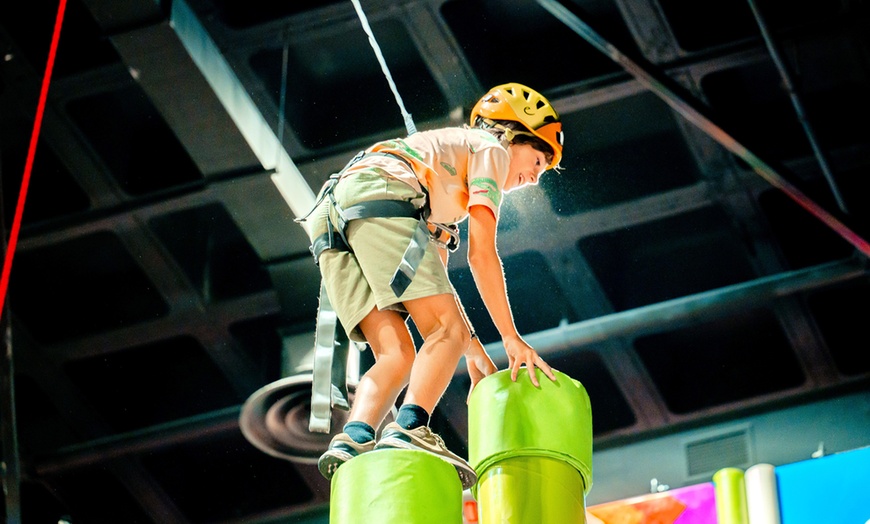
<point>409,122</point>
<point>406,116</point>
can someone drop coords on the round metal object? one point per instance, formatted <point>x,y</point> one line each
<point>275,420</point>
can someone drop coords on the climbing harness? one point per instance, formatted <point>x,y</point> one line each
<point>329,384</point>
<point>335,237</point>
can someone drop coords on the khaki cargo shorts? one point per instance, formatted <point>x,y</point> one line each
<point>360,281</point>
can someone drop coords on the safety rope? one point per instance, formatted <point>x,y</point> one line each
<point>31,154</point>
<point>409,122</point>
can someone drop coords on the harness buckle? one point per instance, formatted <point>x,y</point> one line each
<point>452,232</point>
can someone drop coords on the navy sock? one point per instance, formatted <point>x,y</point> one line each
<point>359,432</point>
<point>412,416</point>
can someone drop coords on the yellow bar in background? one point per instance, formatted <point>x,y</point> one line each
<point>730,489</point>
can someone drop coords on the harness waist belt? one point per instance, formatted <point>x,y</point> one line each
<point>370,209</point>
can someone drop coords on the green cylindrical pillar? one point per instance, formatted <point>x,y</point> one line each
<point>531,448</point>
<point>396,486</point>
<point>730,496</point>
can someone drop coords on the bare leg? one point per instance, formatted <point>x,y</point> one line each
<point>446,339</point>
<point>394,351</point>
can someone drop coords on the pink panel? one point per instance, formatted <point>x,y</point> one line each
<point>690,505</point>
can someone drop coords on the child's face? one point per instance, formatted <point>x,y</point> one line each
<point>527,166</point>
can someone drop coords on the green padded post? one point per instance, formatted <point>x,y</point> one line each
<point>531,448</point>
<point>531,489</point>
<point>396,486</point>
<point>730,496</point>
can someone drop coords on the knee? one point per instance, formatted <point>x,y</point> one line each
<point>399,360</point>
<point>453,334</point>
<point>406,356</point>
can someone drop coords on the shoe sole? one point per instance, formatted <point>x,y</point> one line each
<point>466,475</point>
<point>330,461</point>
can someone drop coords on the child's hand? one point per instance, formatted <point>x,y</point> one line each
<point>519,353</point>
<point>479,364</point>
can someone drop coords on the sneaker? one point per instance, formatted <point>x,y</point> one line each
<point>423,439</point>
<point>341,449</point>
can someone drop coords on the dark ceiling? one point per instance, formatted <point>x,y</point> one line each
<point>160,280</point>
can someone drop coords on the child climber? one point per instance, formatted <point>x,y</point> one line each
<point>381,234</point>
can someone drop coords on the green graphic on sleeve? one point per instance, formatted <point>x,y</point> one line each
<point>450,169</point>
<point>486,187</point>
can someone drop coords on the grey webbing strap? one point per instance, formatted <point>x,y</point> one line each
<point>324,242</point>
<point>324,393</point>
<point>342,221</point>
<point>338,377</point>
<point>411,259</point>
<point>381,208</point>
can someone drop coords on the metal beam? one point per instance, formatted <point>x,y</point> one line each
<point>671,314</point>
<point>10,466</point>
<point>10,463</point>
<point>242,109</point>
<point>686,311</point>
<point>685,104</point>
<point>140,441</point>
<point>198,118</point>
<point>788,82</point>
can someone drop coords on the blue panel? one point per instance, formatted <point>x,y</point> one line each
<point>832,489</point>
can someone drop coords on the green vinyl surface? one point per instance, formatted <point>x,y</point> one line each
<point>521,490</point>
<point>730,489</point>
<point>509,419</point>
<point>396,486</point>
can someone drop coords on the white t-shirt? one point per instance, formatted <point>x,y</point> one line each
<point>459,167</point>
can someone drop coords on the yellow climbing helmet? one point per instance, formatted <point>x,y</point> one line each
<point>522,104</point>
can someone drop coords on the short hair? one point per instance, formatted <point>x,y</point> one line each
<point>497,127</point>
